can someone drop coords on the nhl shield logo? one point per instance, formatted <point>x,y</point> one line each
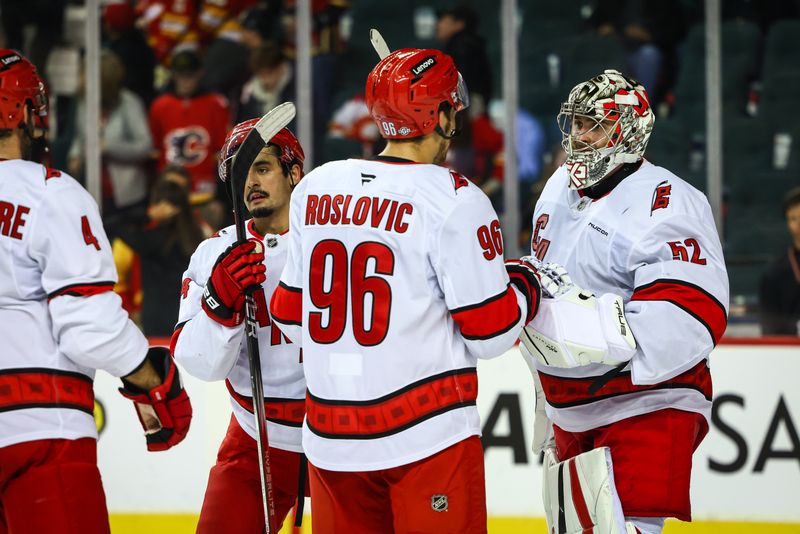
<point>272,242</point>
<point>439,503</point>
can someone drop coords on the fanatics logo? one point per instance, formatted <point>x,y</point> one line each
<point>439,503</point>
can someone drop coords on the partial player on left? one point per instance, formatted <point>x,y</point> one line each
<point>60,320</point>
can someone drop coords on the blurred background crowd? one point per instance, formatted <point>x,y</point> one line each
<point>175,75</point>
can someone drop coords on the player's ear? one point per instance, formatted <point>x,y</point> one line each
<point>447,120</point>
<point>295,173</point>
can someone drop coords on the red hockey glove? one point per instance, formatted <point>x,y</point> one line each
<point>164,411</point>
<point>522,273</point>
<point>238,268</point>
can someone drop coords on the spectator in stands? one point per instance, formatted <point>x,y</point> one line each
<point>779,291</point>
<point>126,145</point>
<point>189,127</point>
<point>353,121</point>
<point>272,82</point>
<point>650,30</point>
<point>124,39</point>
<point>457,31</point>
<point>221,26</point>
<point>163,244</point>
<point>326,46</point>
<point>169,26</point>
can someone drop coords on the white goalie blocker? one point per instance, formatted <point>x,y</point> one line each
<point>580,495</point>
<point>577,328</point>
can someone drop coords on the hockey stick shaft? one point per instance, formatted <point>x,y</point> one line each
<point>264,130</point>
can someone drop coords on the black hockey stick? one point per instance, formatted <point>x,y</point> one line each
<point>257,139</point>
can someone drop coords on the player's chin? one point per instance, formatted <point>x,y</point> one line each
<point>260,212</point>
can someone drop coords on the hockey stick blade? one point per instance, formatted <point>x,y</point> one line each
<point>379,43</point>
<point>274,121</point>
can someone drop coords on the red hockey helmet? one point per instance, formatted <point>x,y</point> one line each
<point>20,85</point>
<point>406,88</point>
<point>290,150</point>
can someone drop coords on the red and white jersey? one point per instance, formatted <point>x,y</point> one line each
<point>396,285</point>
<point>59,316</point>
<point>211,351</point>
<point>651,240</point>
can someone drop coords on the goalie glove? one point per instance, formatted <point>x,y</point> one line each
<point>236,270</point>
<point>576,328</point>
<point>164,411</point>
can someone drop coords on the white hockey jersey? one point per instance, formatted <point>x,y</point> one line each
<point>211,351</point>
<point>395,284</point>
<point>651,240</point>
<point>59,316</point>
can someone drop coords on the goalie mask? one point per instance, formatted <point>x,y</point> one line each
<point>604,123</point>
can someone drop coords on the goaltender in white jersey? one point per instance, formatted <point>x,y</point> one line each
<point>622,355</point>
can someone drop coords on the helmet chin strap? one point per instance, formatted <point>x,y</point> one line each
<point>36,149</point>
<point>455,132</point>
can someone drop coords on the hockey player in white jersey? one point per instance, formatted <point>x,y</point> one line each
<point>209,341</point>
<point>395,284</point>
<point>59,321</point>
<point>622,348</point>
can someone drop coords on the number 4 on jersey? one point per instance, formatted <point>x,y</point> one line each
<point>88,236</point>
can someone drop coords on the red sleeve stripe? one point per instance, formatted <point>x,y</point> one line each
<point>82,290</point>
<point>173,341</point>
<point>690,298</point>
<point>286,305</point>
<point>490,318</point>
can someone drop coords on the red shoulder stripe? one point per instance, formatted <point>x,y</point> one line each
<point>690,298</point>
<point>490,318</point>
<point>173,341</point>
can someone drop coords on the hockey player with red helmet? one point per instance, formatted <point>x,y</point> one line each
<point>60,320</point>
<point>209,341</point>
<point>395,285</point>
<point>620,350</point>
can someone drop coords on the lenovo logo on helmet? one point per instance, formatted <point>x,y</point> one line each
<point>10,59</point>
<point>423,65</point>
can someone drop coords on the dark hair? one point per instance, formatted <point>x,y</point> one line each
<point>183,229</point>
<point>463,12</point>
<point>266,56</point>
<point>791,200</point>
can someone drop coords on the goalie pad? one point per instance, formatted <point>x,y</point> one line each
<point>578,329</point>
<point>543,437</point>
<point>580,495</point>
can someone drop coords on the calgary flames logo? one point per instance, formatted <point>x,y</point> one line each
<point>187,146</point>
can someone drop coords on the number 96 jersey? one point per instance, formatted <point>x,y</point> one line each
<point>652,240</point>
<point>395,284</point>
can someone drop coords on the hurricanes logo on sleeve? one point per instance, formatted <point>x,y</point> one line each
<point>185,287</point>
<point>661,197</point>
<point>458,180</point>
<point>187,146</point>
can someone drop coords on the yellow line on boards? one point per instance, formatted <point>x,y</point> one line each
<point>186,524</point>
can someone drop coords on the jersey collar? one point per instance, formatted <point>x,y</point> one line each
<point>604,187</point>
